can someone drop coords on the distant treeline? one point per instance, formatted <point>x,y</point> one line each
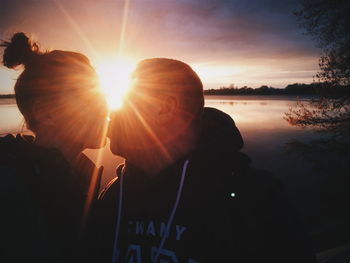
<point>291,89</point>
<point>7,96</point>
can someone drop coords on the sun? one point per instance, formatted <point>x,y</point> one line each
<point>114,79</point>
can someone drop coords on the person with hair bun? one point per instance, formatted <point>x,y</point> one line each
<point>47,184</point>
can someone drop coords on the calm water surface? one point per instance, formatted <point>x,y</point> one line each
<point>259,118</point>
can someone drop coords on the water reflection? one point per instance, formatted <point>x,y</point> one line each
<point>11,120</point>
<point>250,115</point>
<point>259,118</point>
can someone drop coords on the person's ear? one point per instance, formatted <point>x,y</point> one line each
<point>168,110</point>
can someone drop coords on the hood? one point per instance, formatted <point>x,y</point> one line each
<point>218,132</point>
<point>220,141</point>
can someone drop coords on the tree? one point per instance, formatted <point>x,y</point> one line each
<point>328,21</point>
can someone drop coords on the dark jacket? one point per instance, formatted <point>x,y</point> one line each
<point>227,211</point>
<point>43,201</point>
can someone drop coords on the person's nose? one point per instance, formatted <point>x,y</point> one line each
<point>111,118</point>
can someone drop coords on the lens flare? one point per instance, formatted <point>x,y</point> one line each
<point>114,78</point>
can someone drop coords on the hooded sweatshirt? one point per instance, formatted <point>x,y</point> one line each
<point>43,200</point>
<point>209,206</point>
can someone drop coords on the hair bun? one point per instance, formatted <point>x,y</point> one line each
<point>19,50</point>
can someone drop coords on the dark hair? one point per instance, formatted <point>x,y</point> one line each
<point>170,76</point>
<point>20,50</point>
<point>46,75</point>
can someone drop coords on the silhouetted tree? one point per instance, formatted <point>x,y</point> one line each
<point>328,21</point>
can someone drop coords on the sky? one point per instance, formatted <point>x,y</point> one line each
<point>240,42</point>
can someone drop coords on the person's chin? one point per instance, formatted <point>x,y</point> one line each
<point>118,149</point>
<point>114,148</point>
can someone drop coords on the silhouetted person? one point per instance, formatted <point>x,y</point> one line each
<point>46,183</point>
<point>185,192</point>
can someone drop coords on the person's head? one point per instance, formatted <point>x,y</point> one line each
<point>160,111</point>
<point>57,93</point>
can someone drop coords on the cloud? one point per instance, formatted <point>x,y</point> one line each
<point>223,33</point>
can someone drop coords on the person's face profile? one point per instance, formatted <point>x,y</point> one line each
<point>85,117</point>
<point>135,126</point>
<point>145,121</point>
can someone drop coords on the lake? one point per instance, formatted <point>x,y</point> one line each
<point>259,118</point>
<point>265,133</point>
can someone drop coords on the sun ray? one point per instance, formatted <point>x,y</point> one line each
<point>123,28</point>
<point>114,79</point>
<point>94,179</point>
<point>76,128</point>
<point>150,131</point>
<point>99,157</point>
<point>76,28</point>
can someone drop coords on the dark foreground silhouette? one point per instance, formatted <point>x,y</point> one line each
<point>203,204</point>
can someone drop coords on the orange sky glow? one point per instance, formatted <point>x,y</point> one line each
<point>222,47</point>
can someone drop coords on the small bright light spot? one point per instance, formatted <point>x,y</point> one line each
<point>232,194</point>
<point>114,77</point>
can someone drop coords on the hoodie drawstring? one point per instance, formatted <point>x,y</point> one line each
<point>171,218</point>
<point>115,245</point>
<point>170,221</point>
